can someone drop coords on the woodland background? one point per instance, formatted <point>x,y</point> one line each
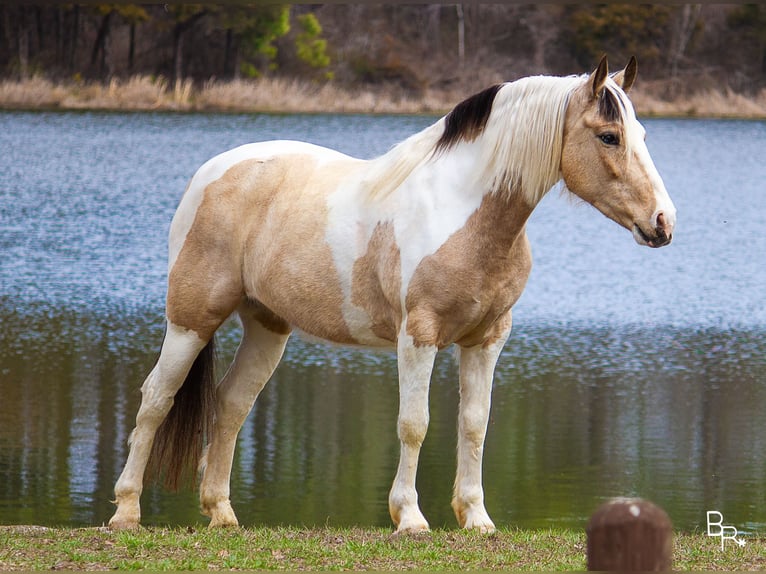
<point>405,50</point>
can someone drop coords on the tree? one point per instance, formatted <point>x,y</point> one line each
<point>101,46</point>
<point>749,23</point>
<point>251,30</point>
<point>185,16</point>
<point>133,14</point>
<point>309,47</point>
<point>620,30</point>
<point>685,24</point>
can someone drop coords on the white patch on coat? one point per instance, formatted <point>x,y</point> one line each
<point>432,203</point>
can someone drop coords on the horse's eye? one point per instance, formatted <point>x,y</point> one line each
<point>609,138</point>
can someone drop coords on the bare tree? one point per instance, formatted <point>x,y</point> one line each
<point>684,25</point>
<point>23,42</point>
<point>100,58</point>
<point>460,35</point>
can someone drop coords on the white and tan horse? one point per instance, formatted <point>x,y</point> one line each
<point>419,249</point>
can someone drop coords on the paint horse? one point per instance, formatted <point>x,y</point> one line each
<point>421,248</point>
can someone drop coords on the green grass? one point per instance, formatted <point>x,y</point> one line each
<point>37,548</point>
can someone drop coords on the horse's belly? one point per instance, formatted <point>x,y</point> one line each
<point>320,310</point>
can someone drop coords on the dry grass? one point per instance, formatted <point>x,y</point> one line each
<point>295,96</point>
<point>292,95</point>
<point>707,103</point>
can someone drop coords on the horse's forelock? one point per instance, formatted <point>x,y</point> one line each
<point>615,106</point>
<point>610,106</point>
<point>468,119</point>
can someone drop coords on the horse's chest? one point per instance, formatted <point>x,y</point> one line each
<point>463,292</point>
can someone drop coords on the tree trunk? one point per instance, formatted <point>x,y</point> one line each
<point>460,35</point>
<point>23,42</point>
<point>178,50</point>
<point>683,30</point>
<point>73,39</point>
<point>433,37</point>
<point>101,47</point>
<point>40,29</point>
<point>227,54</point>
<point>60,39</point>
<point>179,34</point>
<point>132,47</point>
<point>10,46</point>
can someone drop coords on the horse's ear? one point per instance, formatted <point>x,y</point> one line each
<point>626,77</point>
<point>598,77</point>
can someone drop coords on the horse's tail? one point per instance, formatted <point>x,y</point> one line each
<point>180,439</point>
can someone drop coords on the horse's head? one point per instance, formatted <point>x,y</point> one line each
<point>605,161</point>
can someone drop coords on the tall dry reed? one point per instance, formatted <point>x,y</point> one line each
<point>294,95</point>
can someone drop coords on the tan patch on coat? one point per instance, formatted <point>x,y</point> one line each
<point>463,293</point>
<point>205,283</point>
<point>376,282</point>
<point>259,233</point>
<point>289,265</point>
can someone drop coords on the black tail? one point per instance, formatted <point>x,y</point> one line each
<point>179,441</point>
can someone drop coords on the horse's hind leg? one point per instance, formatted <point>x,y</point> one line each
<point>179,350</point>
<point>259,352</point>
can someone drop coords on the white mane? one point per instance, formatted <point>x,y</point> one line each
<point>522,141</point>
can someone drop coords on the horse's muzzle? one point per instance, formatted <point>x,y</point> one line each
<point>661,235</point>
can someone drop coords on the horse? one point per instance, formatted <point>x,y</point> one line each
<point>419,249</point>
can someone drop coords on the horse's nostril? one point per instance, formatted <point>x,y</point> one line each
<point>660,220</point>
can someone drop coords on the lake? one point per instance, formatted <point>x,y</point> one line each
<point>630,372</point>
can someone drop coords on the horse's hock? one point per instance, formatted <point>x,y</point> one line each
<point>630,534</point>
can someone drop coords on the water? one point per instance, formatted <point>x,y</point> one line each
<point>630,371</point>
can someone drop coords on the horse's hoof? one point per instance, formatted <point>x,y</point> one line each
<point>117,524</point>
<point>482,528</point>
<point>223,524</point>
<point>413,527</point>
<point>221,515</point>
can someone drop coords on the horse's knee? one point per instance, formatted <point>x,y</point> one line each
<point>473,425</point>
<point>412,430</point>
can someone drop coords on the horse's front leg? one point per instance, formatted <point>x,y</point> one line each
<point>415,365</point>
<point>477,366</point>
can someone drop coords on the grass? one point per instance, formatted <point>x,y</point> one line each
<point>323,549</point>
<point>292,95</point>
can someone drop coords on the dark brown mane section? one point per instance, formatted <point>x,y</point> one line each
<point>467,120</point>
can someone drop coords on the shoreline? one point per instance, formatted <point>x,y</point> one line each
<point>288,96</point>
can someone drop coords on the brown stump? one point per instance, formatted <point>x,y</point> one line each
<point>630,534</point>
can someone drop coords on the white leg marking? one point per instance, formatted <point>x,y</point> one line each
<point>415,366</point>
<point>179,349</point>
<point>477,366</point>
<point>258,354</point>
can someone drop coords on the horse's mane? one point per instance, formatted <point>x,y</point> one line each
<point>520,127</point>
